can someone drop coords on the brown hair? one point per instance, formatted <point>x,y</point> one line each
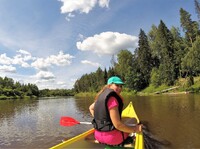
<point>106,86</point>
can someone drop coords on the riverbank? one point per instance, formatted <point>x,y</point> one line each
<point>3,97</point>
<point>182,86</point>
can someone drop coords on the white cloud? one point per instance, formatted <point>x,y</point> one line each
<point>108,43</point>
<point>41,64</point>
<point>81,37</point>
<point>23,52</point>
<point>60,60</point>
<point>43,82</point>
<point>25,55</point>
<point>104,3</point>
<point>61,83</point>
<point>19,59</point>
<point>5,60</point>
<point>45,75</point>
<point>90,63</point>
<point>70,15</point>
<point>82,6</point>
<point>7,68</point>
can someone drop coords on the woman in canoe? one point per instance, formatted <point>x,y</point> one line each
<point>106,110</point>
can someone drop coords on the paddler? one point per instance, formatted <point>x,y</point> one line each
<point>109,127</point>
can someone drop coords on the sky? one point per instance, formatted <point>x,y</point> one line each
<point>52,43</point>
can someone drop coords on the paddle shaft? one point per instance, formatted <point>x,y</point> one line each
<point>88,123</point>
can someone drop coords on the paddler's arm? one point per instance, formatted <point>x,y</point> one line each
<point>91,108</point>
<point>115,117</point>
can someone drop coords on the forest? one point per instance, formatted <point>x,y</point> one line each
<point>10,89</point>
<point>163,57</point>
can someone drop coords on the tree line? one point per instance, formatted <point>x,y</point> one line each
<point>10,89</point>
<point>56,92</point>
<point>13,90</point>
<point>162,57</point>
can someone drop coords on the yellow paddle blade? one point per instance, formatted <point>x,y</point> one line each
<point>130,112</point>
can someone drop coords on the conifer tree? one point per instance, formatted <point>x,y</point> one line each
<point>144,59</point>
<point>105,76</point>
<point>180,49</point>
<point>191,28</point>
<point>191,61</point>
<point>197,8</point>
<point>152,35</point>
<point>165,53</point>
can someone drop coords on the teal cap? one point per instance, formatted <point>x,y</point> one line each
<point>115,80</point>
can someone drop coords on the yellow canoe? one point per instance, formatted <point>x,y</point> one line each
<point>127,112</point>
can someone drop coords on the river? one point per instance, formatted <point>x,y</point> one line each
<point>35,123</point>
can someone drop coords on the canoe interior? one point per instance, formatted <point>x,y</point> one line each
<point>87,142</point>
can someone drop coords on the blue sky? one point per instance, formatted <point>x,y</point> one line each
<point>52,43</point>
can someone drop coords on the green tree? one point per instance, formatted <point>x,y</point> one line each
<point>164,51</point>
<point>191,61</point>
<point>134,79</point>
<point>191,28</point>
<point>152,37</point>
<point>1,82</point>
<point>124,63</point>
<point>34,89</point>
<point>100,77</point>
<point>180,49</point>
<point>8,83</point>
<point>155,77</point>
<point>105,76</point>
<point>144,59</point>
<point>111,72</point>
<point>197,8</point>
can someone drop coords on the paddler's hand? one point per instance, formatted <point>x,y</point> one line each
<point>138,128</point>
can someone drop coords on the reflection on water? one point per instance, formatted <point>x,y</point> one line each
<point>35,123</point>
<point>172,117</point>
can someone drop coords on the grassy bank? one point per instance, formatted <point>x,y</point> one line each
<point>182,85</point>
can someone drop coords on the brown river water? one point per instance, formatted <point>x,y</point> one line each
<point>29,124</point>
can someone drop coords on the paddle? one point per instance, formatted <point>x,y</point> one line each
<point>69,121</point>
